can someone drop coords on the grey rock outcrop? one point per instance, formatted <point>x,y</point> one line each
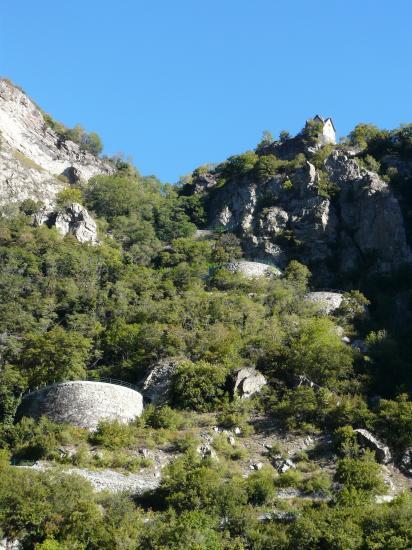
<point>33,157</point>
<point>248,381</point>
<point>21,180</point>
<point>405,462</point>
<point>110,480</point>
<point>205,450</point>
<point>157,385</point>
<point>83,403</point>
<point>289,216</point>
<point>327,302</point>
<point>370,216</point>
<point>10,544</point>
<point>253,270</point>
<point>282,464</point>
<point>204,181</point>
<point>76,220</point>
<point>369,441</point>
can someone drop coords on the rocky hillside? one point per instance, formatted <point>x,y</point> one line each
<point>267,411</point>
<point>298,200</point>
<point>35,163</point>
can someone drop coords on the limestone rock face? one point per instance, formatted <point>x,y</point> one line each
<point>156,387</point>
<point>83,403</point>
<point>21,179</point>
<point>366,439</point>
<point>32,156</point>
<point>370,215</point>
<point>206,451</point>
<point>290,216</point>
<point>253,270</point>
<point>10,544</point>
<point>327,302</point>
<point>108,480</point>
<point>76,220</point>
<point>248,382</point>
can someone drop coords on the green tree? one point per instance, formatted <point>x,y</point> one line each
<point>363,134</point>
<point>55,355</point>
<point>92,143</point>
<point>394,421</point>
<point>199,386</point>
<point>238,165</point>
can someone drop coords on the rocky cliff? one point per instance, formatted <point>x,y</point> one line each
<point>35,163</point>
<point>337,217</point>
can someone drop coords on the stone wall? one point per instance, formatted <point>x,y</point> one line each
<point>83,403</point>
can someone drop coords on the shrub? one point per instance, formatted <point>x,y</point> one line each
<point>284,135</point>
<point>312,131</point>
<point>361,479</point>
<point>291,478</point>
<point>369,163</point>
<point>260,487</point>
<point>394,421</point>
<point>346,442</point>
<point>267,139</point>
<point>320,483</point>
<point>238,165</point>
<point>363,134</point>
<point>88,141</point>
<point>163,417</point>
<point>68,196</point>
<point>226,248</point>
<point>199,386</point>
<point>30,206</point>
<point>113,435</point>
<point>266,167</point>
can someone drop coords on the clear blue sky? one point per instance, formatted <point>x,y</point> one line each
<point>178,83</point>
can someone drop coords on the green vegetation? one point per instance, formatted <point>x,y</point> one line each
<point>69,196</point>
<point>199,386</point>
<point>88,141</point>
<point>311,132</point>
<point>151,291</point>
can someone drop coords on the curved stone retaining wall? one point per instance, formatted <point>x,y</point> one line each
<point>83,403</point>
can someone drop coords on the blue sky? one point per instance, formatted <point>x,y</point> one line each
<point>179,83</point>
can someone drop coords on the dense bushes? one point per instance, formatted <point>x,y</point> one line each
<point>199,386</point>
<point>89,141</point>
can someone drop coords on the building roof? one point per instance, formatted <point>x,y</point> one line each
<point>324,120</point>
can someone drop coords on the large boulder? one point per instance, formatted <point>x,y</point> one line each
<point>369,441</point>
<point>10,544</point>
<point>75,220</point>
<point>405,463</point>
<point>157,385</point>
<point>205,450</point>
<point>253,270</point>
<point>248,381</point>
<point>327,302</point>
<point>282,464</point>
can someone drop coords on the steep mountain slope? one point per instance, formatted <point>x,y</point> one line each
<point>32,156</point>
<point>274,416</point>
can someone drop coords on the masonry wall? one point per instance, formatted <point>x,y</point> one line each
<point>83,403</point>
